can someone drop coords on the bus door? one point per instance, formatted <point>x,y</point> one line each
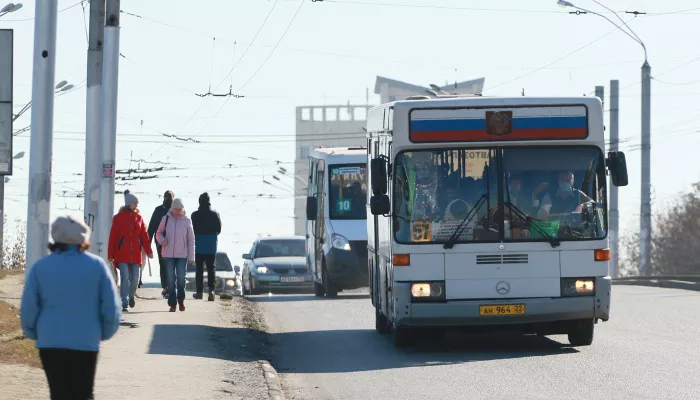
<point>320,226</point>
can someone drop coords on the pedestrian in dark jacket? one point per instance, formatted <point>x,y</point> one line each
<point>69,306</point>
<point>126,239</point>
<point>207,227</point>
<point>158,214</point>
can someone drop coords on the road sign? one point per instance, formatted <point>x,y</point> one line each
<point>107,170</point>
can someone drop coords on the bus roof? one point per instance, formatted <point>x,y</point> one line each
<point>340,155</point>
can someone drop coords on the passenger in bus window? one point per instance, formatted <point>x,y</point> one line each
<point>562,199</point>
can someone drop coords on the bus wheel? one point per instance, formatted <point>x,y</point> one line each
<point>319,291</point>
<point>402,336</point>
<point>581,333</point>
<point>328,287</point>
<point>381,322</point>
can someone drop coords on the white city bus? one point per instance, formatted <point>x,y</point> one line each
<point>336,225</point>
<point>490,213</point>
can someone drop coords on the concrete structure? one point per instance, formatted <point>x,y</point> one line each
<point>340,126</point>
<point>392,90</point>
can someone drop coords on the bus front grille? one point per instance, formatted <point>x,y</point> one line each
<point>491,259</point>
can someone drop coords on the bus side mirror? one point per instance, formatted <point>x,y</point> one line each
<point>378,172</point>
<point>311,208</point>
<point>617,165</point>
<point>380,204</point>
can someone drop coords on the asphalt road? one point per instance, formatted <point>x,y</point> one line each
<point>328,349</point>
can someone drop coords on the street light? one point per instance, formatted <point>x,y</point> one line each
<point>10,8</point>
<point>645,212</point>
<point>62,86</point>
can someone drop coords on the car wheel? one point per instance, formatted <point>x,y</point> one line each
<point>329,288</point>
<point>319,291</point>
<point>246,287</point>
<point>581,332</point>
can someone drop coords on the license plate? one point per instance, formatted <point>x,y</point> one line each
<point>502,309</point>
<point>292,279</point>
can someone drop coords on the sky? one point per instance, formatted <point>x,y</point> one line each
<point>330,52</point>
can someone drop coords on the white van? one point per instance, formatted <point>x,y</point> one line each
<point>336,219</point>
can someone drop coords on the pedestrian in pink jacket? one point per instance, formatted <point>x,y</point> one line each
<point>176,237</point>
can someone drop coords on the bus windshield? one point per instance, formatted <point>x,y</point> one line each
<point>347,195</point>
<point>500,194</point>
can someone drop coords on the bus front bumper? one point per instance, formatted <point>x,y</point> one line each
<point>466,313</point>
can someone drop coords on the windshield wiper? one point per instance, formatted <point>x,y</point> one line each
<point>462,225</point>
<point>551,239</point>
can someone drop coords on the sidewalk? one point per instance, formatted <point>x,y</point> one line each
<point>202,353</point>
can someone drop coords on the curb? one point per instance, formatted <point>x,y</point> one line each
<point>274,387</point>
<point>668,284</point>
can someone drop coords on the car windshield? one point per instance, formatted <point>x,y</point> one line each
<point>348,191</point>
<point>280,248</point>
<point>223,263</point>
<point>469,195</point>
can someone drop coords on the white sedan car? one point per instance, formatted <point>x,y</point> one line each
<point>228,281</point>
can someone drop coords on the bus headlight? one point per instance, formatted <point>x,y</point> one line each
<point>340,242</point>
<point>428,291</point>
<point>577,287</point>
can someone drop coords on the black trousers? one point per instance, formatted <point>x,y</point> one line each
<point>200,260</point>
<point>163,270</point>
<point>71,373</point>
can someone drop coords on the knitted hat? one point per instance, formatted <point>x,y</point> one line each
<point>177,203</point>
<point>204,199</point>
<point>70,230</point>
<point>129,198</point>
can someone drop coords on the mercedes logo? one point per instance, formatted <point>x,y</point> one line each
<point>502,287</point>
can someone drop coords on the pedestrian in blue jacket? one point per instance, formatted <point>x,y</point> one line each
<point>206,224</point>
<point>69,305</point>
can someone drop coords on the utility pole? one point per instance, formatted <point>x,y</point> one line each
<point>6,67</point>
<point>614,214</point>
<point>645,212</point>
<point>108,142</point>
<point>93,116</point>
<point>41,142</point>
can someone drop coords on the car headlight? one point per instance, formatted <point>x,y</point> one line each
<point>428,291</point>
<point>340,242</point>
<point>262,269</point>
<point>230,283</point>
<point>577,287</point>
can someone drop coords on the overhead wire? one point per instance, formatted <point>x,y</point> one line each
<point>230,72</point>
<point>553,62</point>
<point>289,25</point>
<point>32,19</point>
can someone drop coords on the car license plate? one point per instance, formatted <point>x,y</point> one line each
<point>502,309</point>
<point>292,279</point>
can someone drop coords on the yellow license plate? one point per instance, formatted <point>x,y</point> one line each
<point>502,309</point>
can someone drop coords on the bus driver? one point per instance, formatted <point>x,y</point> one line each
<point>564,199</point>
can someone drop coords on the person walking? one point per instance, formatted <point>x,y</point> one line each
<point>176,239</point>
<point>127,238</point>
<point>157,216</point>
<point>207,227</point>
<point>69,305</point>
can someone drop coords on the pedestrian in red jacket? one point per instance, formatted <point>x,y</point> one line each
<point>126,239</point>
